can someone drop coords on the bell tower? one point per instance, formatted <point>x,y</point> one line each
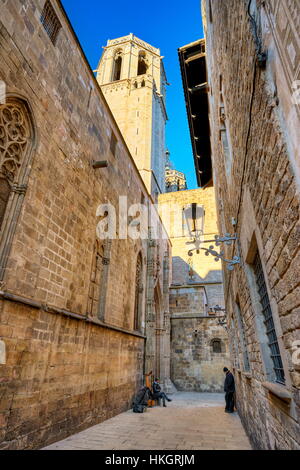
<point>132,77</point>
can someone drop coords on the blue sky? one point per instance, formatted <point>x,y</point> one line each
<point>166,25</point>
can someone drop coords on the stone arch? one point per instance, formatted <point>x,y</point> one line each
<point>17,143</point>
<point>142,63</point>
<point>117,65</point>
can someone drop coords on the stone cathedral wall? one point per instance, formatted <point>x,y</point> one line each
<point>65,369</point>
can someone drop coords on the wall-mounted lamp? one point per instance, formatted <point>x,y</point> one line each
<point>100,164</point>
<point>194,216</point>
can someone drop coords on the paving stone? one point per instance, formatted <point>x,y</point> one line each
<point>192,421</point>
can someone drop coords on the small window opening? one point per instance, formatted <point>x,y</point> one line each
<point>50,22</point>
<point>113,144</point>
<point>216,346</point>
<point>117,67</point>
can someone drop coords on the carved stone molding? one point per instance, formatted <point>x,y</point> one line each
<point>19,189</point>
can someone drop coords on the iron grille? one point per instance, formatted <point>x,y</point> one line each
<point>50,21</point>
<point>268,320</point>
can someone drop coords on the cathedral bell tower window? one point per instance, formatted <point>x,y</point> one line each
<point>142,64</point>
<point>117,66</point>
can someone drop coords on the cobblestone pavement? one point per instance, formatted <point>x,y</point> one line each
<point>192,421</point>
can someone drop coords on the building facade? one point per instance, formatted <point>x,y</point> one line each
<point>253,52</point>
<point>199,344</point>
<point>75,308</point>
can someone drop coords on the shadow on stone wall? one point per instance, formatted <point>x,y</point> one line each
<point>195,366</point>
<point>184,273</point>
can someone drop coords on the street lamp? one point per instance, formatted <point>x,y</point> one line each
<point>194,216</point>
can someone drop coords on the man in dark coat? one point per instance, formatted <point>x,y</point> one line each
<point>158,394</point>
<point>229,389</point>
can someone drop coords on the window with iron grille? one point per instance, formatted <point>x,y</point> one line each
<point>216,346</point>
<point>268,320</point>
<point>50,21</point>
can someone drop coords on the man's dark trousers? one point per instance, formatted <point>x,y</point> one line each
<point>160,395</point>
<point>229,399</point>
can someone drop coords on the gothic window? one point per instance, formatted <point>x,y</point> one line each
<point>142,64</point>
<point>16,141</point>
<point>117,66</point>
<point>216,346</point>
<point>96,280</point>
<point>268,320</point>
<point>50,21</point>
<point>138,292</point>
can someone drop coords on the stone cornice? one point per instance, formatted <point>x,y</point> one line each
<point>134,39</point>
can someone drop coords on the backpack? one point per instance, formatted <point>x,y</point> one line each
<point>140,401</point>
<point>138,408</point>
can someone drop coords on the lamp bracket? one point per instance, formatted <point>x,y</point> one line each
<point>227,239</point>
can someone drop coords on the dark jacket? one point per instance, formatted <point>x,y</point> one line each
<point>156,388</point>
<point>229,385</point>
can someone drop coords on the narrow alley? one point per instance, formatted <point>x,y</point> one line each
<point>192,421</point>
